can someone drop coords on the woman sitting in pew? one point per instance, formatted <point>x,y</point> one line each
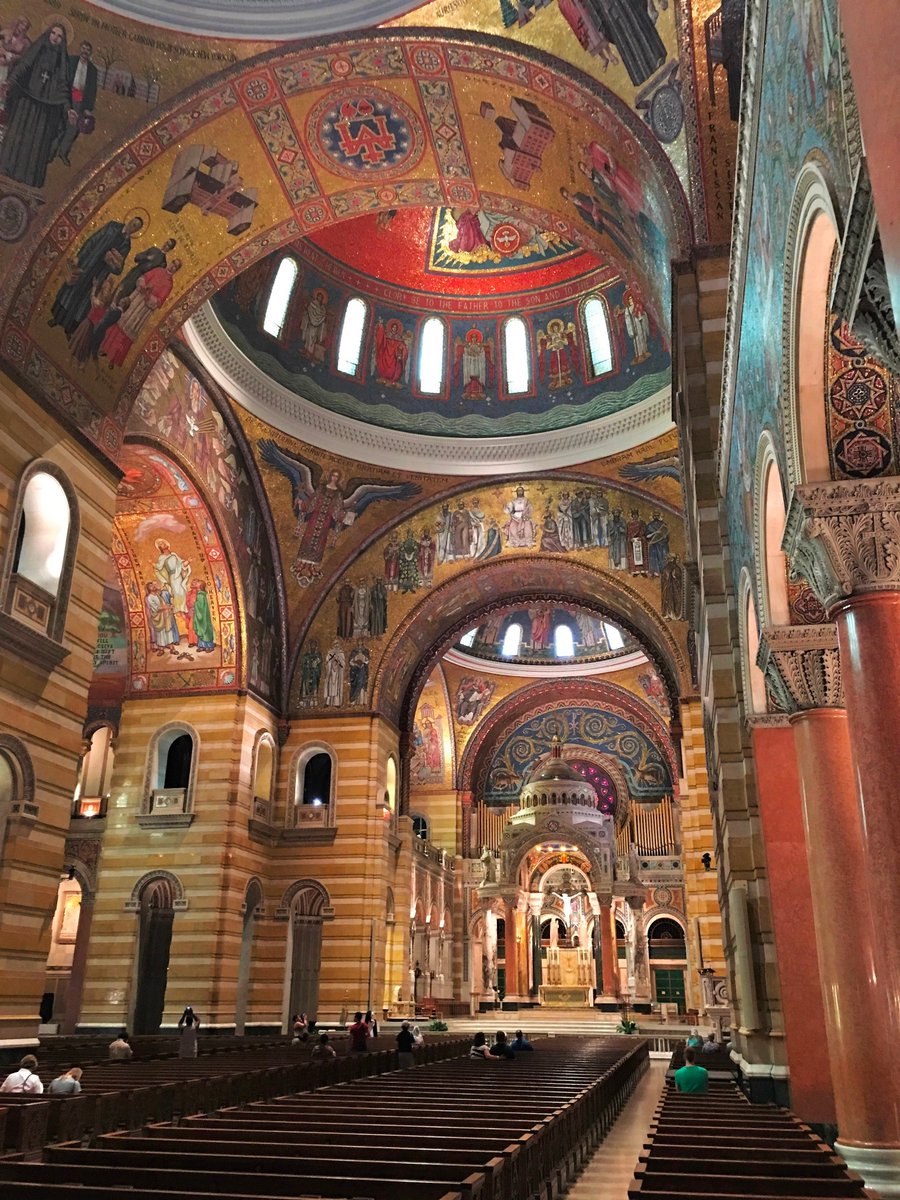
<point>67,1084</point>
<point>480,1048</point>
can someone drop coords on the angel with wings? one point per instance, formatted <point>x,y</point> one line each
<point>323,504</point>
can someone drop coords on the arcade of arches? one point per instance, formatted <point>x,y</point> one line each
<point>448,520</point>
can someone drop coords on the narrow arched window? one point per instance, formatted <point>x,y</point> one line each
<point>262,775</point>
<point>512,640</point>
<point>431,356</point>
<point>468,638</point>
<point>43,533</point>
<point>353,327</point>
<point>598,340</point>
<point>280,297</point>
<point>177,765</point>
<point>420,828</point>
<point>516,359</point>
<point>317,781</point>
<point>614,637</point>
<point>563,642</point>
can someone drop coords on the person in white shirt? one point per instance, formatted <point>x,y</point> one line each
<point>25,1079</point>
<point>119,1050</point>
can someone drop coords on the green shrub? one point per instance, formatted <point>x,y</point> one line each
<point>437,1026</point>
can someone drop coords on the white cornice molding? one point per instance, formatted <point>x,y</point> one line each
<point>751,87</point>
<point>253,389</point>
<point>566,670</point>
<point>263,20</point>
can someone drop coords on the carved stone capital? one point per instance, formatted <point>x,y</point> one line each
<point>802,666</point>
<point>844,537</point>
<point>861,293</point>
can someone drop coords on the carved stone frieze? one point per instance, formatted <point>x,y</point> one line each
<point>802,666</point>
<point>844,537</point>
<point>861,292</point>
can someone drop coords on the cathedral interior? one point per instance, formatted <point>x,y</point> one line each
<point>448,529</point>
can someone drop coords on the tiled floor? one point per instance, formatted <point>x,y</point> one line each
<point>608,1174</point>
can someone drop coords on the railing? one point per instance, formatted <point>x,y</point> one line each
<point>428,850</point>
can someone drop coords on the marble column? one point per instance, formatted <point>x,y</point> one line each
<point>843,537</point>
<point>512,951</point>
<point>803,671</point>
<point>610,986</point>
<point>641,956</point>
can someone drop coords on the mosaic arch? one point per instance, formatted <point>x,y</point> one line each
<point>173,622</point>
<point>406,534</point>
<point>520,708</point>
<point>436,623</point>
<point>298,140</point>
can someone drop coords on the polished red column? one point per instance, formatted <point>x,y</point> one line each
<point>608,952</point>
<point>794,920</point>
<point>859,1041</point>
<point>511,950</point>
<point>868,628</point>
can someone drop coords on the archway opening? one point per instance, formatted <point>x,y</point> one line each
<point>157,913</point>
<point>754,676</point>
<point>812,324</point>
<point>775,566</point>
<point>305,949</point>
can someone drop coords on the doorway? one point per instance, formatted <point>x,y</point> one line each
<point>154,945</point>
<point>668,986</point>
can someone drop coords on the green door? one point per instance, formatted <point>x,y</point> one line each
<point>669,987</point>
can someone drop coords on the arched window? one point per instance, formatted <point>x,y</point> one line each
<point>613,637</point>
<point>353,327</point>
<point>420,828</point>
<point>172,773</point>
<point>512,640</point>
<point>431,356</point>
<point>40,557</point>
<point>598,340</point>
<point>314,773</point>
<point>280,296</point>
<point>516,359</point>
<point>390,789</point>
<point>92,789</point>
<point>316,784</point>
<point>468,638</point>
<point>754,680</point>
<point>563,642</point>
<point>263,773</point>
<point>9,794</point>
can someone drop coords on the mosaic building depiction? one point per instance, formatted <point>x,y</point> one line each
<point>448,525</point>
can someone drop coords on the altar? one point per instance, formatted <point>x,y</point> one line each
<point>566,996</point>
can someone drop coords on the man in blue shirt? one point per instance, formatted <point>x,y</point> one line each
<point>521,1042</point>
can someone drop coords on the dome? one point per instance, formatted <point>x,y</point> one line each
<point>553,781</point>
<point>440,325</point>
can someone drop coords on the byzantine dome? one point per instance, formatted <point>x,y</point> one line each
<point>424,332</point>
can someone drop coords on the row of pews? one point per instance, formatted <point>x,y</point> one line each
<point>458,1129</point>
<point>719,1146</point>
<point>127,1095</point>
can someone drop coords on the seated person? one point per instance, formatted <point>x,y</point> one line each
<point>25,1079</point>
<point>300,1027</point>
<point>119,1050</point>
<point>690,1078</point>
<point>359,1035</point>
<point>695,1041</point>
<point>67,1084</point>
<point>501,1047</point>
<point>521,1042</point>
<point>479,1047</point>
<point>406,1045</point>
<point>710,1046</point>
<point>322,1050</point>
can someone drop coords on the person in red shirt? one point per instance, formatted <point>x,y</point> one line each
<point>359,1035</point>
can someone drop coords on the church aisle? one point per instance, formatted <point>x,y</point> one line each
<point>608,1174</point>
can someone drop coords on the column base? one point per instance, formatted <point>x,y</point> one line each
<point>879,1167</point>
